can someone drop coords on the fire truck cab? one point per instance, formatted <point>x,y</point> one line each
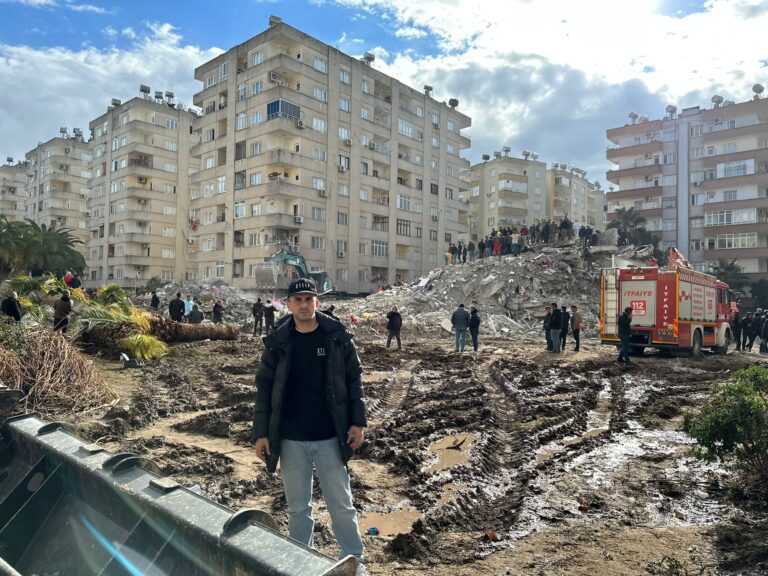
<point>673,307</point>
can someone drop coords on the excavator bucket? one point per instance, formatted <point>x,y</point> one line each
<point>71,508</point>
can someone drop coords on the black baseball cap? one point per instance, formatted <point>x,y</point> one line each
<point>302,286</point>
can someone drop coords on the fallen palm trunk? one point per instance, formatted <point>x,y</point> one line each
<point>170,331</point>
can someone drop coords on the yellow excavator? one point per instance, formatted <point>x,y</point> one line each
<point>284,266</point>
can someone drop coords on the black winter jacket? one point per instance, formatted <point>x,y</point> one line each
<point>344,388</point>
<point>176,307</point>
<point>394,321</point>
<point>556,320</point>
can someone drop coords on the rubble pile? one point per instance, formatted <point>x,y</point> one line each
<point>510,292</point>
<point>237,304</point>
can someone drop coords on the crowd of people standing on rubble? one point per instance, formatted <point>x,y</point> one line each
<point>749,328</point>
<point>515,240</point>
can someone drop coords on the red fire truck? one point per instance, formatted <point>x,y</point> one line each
<point>672,307</point>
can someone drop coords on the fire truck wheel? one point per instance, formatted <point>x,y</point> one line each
<point>724,349</point>
<point>696,348</point>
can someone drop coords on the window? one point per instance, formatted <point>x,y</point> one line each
<point>223,71</point>
<point>729,195</point>
<point>320,94</point>
<point>361,248</point>
<point>256,118</point>
<point>317,242</point>
<point>343,133</point>
<point>669,202</point>
<point>342,218</point>
<point>697,152</point>
<point>208,245</point>
<point>221,184</point>
<point>697,199</point>
<point>738,168</point>
<point>344,76</point>
<point>365,87</point>
<point>403,202</point>
<point>344,104</point>
<point>240,209</point>
<point>171,124</point>
<point>220,269</point>
<point>740,240</point>
<point>405,128</point>
<point>257,58</point>
<point>341,245</point>
<point>241,121</point>
<point>283,109</point>
<point>342,274</point>
<point>364,113</point>
<point>449,125</point>
<point>403,227</point>
<point>318,213</point>
<point>380,248</point>
<point>254,240</point>
<point>697,244</point>
<point>171,145</point>
<point>240,180</point>
<point>669,224</point>
<point>697,222</point>
<point>669,158</point>
<point>434,165</point>
<point>697,130</point>
<point>242,91</point>
<point>321,65</point>
<point>318,124</point>
<point>257,87</point>
<point>363,167</point>
<point>318,154</point>
<point>364,195</point>
<point>318,183</point>
<point>435,142</point>
<point>255,148</point>
<point>434,189</point>
<point>450,148</point>
<point>256,209</point>
<point>344,190</point>
<point>449,193</point>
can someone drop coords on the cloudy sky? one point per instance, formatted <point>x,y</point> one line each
<point>544,75</point>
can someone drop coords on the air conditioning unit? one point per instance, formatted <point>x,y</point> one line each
<point>697,183</point>
<point>717,121</point>
<point>190,240</point>
<point>63,167</point>
<point>435,125</point>
<point>348,141</point>
<point>322,193</point>
<point>299,124</point>
<point>141,179</point>
<point>648,156</point>
<point>298,219</point>
<point>274,77</point>
<point>141,200</point>
<point>342,168</point>
<point>341,254</point>
<point>434,218</point>
<point>67,150</point>
<point>372,145</point>
<point>87,213</point>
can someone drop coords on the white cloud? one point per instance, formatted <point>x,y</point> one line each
<point>87,8</point>
<point>31,3</point>
<point>78,84</point>
<point>410,32</point>
<point>128,32</point>
<point>109,32</point>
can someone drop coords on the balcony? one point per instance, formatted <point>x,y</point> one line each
<point>738,253</point>
<point>641,130</point>
<point>274,220</point>
<point>761,202</point>
<point>632,193</point>
<point>730,133</point>
<point>640,149</point>
<point>650,169</point>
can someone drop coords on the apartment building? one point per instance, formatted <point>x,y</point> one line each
<point>139,194</point>
<point>57,183</point>
<point>700,178</point>
<point>305,148</point>
<point>13,180</point>
<point>510,191</point>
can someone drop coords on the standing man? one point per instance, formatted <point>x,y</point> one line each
<point>176,308</point>
<point>269,317</point>
<point>576,326</point>
<point>61,311</point>
<point>555,325</point>
<point>748,330</point>
<point>460,323</point>
<point>474,326</point>
<point>310,410</point>
<point>11,307</point>
<point>218,312</point>
<point>154,304</point>
<point>625,334</point>
<point>545,325</point>
<point>736,329</point>
<point>565,322</point>
<point>188,304</point>
<point>258,316</point>
<point>394,325</point>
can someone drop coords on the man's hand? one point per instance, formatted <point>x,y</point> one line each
<point>355,437</point>
<point>262,448</point>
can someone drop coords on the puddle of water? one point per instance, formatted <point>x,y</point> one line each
<point>451,451</point>
<point>450,491</point>
<point>389,524</point>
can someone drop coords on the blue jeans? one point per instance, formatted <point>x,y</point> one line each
<point>554,334</point>
<point>296,459</point>
<point>461,339</point>
<point>549,339</point>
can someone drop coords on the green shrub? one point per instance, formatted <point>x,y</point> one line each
<point>733,425</point>
<point>13,336</point>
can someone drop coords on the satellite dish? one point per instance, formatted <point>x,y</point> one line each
<point>716,100</point>
<point>486,157</point>
<point>758,89</point>
<point>453,102</point>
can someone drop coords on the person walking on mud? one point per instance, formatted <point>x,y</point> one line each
<point>625,334</point>
<point>309,411</point>
<point>736,329</point>
<point>269,318</point>
<point>460,323</point>
<point>565,322</point>
<point>394,325</point>
<point>61,311</point>
<point>545,325</point>
<point>576,326</point>
<point>474,326</point>
<point>555,325</point>
<point>257,311</point>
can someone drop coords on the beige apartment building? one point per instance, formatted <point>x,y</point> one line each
<point>308,149</point>
<point>57,183</point>
<point>700,178</point>
<point>13,180</point>
<point>137,210</point>
<point>509,191</point>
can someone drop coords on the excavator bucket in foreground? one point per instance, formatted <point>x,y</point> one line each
<point>73,509</point>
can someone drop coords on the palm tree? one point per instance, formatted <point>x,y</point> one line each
<point>732,273</point>
<point>626,220</point>
<point>11,246</point>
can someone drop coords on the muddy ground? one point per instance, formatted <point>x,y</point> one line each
<point>510,460</point>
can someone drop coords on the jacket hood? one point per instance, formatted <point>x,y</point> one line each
<point>327,324</point>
